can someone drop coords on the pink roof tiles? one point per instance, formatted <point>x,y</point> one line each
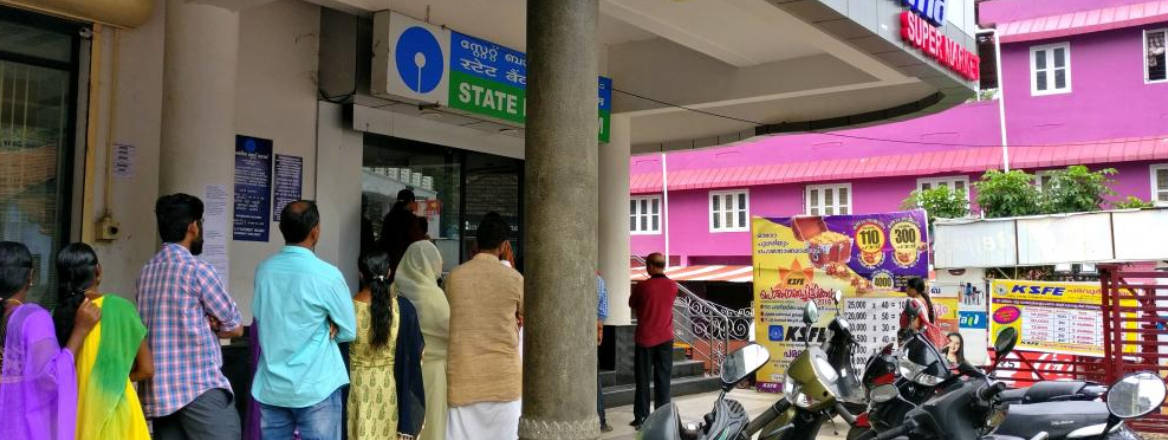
<point>1081,22</point>
<point>967,160</point>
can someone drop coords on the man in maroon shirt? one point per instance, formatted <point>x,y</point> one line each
<point>652,301</point>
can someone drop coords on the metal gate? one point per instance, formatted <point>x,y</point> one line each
<point>1135,326</point>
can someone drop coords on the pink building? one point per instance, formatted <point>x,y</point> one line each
<point>1084,83</point>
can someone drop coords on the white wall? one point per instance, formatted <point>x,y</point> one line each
<point>276,99</point>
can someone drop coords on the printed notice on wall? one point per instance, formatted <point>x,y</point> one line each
<point>289,179</point>
<point>253,188</point>
<point>123,160</point>
<point>215,230</point>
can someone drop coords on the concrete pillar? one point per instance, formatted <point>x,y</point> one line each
<point>559,362</point>
<point>198,102</point>
<point>614,220</point>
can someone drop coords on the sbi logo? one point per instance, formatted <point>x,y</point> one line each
<point>419,59</point>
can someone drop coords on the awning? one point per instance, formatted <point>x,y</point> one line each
<point>968,160</point>
<point>730,274</point>
<point>1093,20</point>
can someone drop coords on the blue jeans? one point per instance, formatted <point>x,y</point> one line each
<point>317,422</point>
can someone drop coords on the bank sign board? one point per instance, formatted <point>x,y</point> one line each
<point>432,64</point>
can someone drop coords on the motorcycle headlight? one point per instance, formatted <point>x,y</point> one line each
<point>795,393</point>
<point>825,371</point>
<point>916,373</point>
<point>884,393</point>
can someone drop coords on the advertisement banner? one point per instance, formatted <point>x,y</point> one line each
<point>1051,317</point>
<point>807,258</point>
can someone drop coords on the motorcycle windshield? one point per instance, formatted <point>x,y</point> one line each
<point>919,351</point>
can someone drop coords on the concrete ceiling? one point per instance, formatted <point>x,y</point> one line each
<point>761,61</point>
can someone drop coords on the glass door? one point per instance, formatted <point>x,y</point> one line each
<point>38,68</point>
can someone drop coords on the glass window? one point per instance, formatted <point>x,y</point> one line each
<point>1160,184</point>
<point>829,199</point>
<point>1050,69</point>
<point>954,183</point>
<point>729,211</point>
<point>645,215</point>
<point>1154,56</point>
<point>37,114</point>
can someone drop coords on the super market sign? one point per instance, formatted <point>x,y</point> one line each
<point>431,64</point>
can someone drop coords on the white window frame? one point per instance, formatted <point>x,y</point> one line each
<point>1049,54</point>
<point>1038,175</point>
<point>635,215</point>
<point>1155,194</point>
<point>1144,42</point>
<point>823,206</point>
<point>949,181</point>
<point>722,209</point>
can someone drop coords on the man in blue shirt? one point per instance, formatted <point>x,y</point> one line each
<point>601,315</point>
<point>303,309</point>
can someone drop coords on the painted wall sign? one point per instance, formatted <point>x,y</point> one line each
<point>432,64</point>
<point>253,188</point>
<point>919,33</point>
<point>289,178</point>
<point>932,11</point>
<point>806,258</point>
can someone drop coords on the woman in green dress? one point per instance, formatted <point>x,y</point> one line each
<point>386,397</point>
<point>417,280</point>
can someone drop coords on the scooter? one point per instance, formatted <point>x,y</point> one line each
<point>816,381</point>
<point>921,373</point>
<point>728,420</point>
<point>972,410</point>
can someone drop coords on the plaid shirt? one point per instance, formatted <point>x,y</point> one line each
<point>176,294</point>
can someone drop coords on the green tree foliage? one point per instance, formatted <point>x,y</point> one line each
<point>1132,202</point>
<point>1076,189</point>
<point>939,202</point>
<point>1008,194</point>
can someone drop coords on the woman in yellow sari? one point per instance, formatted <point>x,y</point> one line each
<point>112,357</point>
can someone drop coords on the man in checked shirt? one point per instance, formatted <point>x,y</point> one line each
<point>186,310</point>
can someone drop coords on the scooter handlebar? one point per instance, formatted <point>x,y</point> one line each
<point>898,431</point>
<point>771,413</point>
<point>844,414</point>
<point>986,394</point>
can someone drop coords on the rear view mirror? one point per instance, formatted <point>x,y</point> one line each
<point>742,363</point>
<point>1136,395</point>
<point>837,296</point>
<point>1005,341</point>
<point>810,313</point>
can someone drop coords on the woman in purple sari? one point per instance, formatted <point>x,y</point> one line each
<point>38,385</point>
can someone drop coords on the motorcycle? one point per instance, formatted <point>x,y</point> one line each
<point>972,410</point>
<point>728,419</point>
<point>898,384</point>
<point>818,381</point>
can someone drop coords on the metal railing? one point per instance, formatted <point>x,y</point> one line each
<point>707,327</point>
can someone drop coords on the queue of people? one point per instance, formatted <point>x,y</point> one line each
<point>98,366</point>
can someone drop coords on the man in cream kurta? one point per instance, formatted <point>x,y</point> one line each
<point>484,373</point>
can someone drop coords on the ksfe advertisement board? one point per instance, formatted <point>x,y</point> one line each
<point>432,64</point>
<point>1052,317</point>
<point>866,257</point>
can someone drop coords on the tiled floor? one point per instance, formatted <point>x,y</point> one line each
<point>695,406</point>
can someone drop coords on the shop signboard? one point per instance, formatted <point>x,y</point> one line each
<point>432,64</point>
<point>1052,317</point>
<point>920,34</point>
<point>933,11</point>
<point>807,258</point>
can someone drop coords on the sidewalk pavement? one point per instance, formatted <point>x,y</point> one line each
<point>693,407</point>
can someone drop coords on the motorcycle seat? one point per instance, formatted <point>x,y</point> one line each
<point>1049,391</point>
<point>1056,418</point>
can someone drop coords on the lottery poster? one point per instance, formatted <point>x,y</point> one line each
<point>1052,317</point>
<point>799,259</point>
